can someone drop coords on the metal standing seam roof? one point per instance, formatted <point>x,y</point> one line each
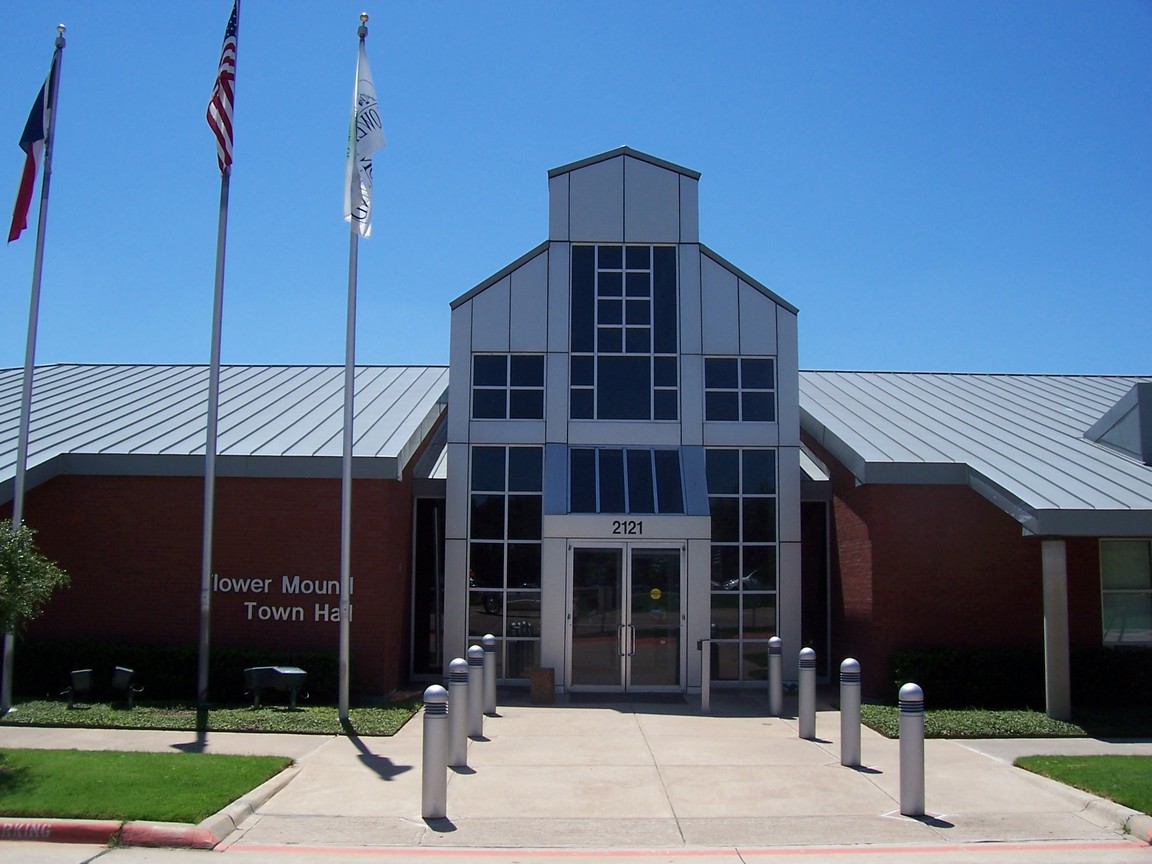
<point>1016,439</point>
<point>274,421</point>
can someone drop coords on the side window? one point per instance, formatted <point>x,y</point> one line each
<point>1126,591</point>
<point>508,387</point>
<point>740,388</point>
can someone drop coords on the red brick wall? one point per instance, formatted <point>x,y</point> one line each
<point>939,566</point>
<point>133,548</point>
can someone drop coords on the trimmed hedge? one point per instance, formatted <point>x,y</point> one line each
<point>1013,678</point>
<point>166,672</point>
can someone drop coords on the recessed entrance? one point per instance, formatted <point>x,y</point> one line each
<point>625,618</point>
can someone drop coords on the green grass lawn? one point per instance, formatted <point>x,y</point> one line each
<point>165,787</point>
<point>981,723</point>
<point>1126,780</point>
<point>312,719</point>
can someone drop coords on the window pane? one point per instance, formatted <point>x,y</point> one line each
<point>523,613</point>
<point>488,469</point>
<point>524,565</point>
<point>611,285</point>
<point>638,257</point>
<point>611,257</point>
<point>725,568</point>
<point>1126,564</point>
<point>582,481</point>
<point>489,404</point>
<point>609,340</point>
<point>490,370</point>
<point>583,298</point>
<point>664,371</point>
<point>486,565</point>
<point>638,285</point>
<point>487,521</point>
<point>664,405</point>
<point>725,519</point>
<point>524,517</point>
<point>610,311</point>
<point>759,519</point>
<point>720,372</point>
<point>759,616</point>
<point>725,616</point>
<point>664,307</point>
<point>624,388</point>
<point>526,404</point>
<point>525,469</point>
<point>759,568</point>
<point>725,661</point>
<point>583,371</point>
<point>638,340</point>
<point>485,613</point>
<point>721,406</point>
<point>527,370</point>
<point>669,487</point>
<point>582,404</point>
<point>639,311</point>
<point>611,481</point>
<point>1127,618</point>
<point>758,407</point>
<point>723,468</point>
<point>640,497</point>
<point>755,666</point>
<point>757,374</point>
<point>522,656</point>
<point>759,474</point>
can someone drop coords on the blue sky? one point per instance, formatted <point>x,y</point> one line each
<point>950,186</point>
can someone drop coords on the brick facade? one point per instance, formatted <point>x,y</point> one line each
<point>939,566</point>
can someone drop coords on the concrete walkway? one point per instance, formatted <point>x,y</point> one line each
<point>643,777</point>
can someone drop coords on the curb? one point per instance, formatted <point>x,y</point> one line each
<point>171,835</point>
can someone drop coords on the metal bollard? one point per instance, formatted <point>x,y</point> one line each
<point>912,750</point>
<point>476,691</point>
<point>489,644</point>
<point>458,713</point>
<point>850,713</point>
<point>704,646</point>
<point>434,796</point>
<point>775,679</point>
<point>807,699</point>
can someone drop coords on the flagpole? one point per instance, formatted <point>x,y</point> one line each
<point>212,421</point>
<point>346,462</point>
<point>30,349</point>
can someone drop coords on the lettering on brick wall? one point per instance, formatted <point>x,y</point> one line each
<point>277,600</point>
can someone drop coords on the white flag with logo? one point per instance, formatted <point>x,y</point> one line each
<point>365,136</point>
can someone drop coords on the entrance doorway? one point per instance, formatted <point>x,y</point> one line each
<point>625,618</point>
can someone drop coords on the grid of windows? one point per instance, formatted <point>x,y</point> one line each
<point>1126,587</point>
<point>624,333</point>
<point>504,530</point>
<point>742,501</point>
<point>740,388</point>
<point>508,386</point>
<point>607,480</point>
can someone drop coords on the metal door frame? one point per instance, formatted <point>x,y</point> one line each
<point>626,630</point>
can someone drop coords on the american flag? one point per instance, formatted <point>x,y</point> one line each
<point>224,94</point>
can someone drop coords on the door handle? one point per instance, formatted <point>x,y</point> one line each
<point>631,640</point>
<point>621,639</point>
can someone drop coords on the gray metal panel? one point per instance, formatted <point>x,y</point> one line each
<point>624,151</point>
<point>274,420</point>
<point>1017,439</point>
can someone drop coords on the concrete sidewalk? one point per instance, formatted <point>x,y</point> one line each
<point>639,776</point>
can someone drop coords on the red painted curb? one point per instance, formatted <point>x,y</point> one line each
<point>171,835</point>
<point>93,831</point>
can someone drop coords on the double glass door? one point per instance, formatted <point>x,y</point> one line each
<point>625,618</point>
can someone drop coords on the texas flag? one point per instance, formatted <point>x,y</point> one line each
<point>32,143</point>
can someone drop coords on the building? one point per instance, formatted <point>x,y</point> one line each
<point>622,459</point>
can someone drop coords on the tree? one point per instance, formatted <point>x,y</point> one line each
<point>27,578</point>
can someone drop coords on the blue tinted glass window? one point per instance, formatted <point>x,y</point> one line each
<point>611,285</point>
<point>583,298</point>
<point>723,469</point>
<point>664,405</point>
<point>583,404</point>
<point>610,312</point>
<point>524,517</point>
<point>725,519</point>
<point>669,486</point>
<point>487,517</point>
<point>759,407</point>
<point>640,489</point>
<point>488,469</point>
<point>639,312</point>
<point>611,481</point>
<point>637,340</point>
<point>525,469</point>
<point>526,404</point>
<point>664,313</point>
<point>583,371</point>
<point>759,523</point>
<point>609,340</point>
<point>611,257</point>
<point>582,481</point>
<point>638,257</point>
<point>527,370</point>
<point>486,565</point>
<point>489,370</point>
<point>759,472</point>
<point>624,388</point>
<point>722,405</point>
<point>757,374</point>
<point>664,371</point>
<point>489,404</point>
<point>721,372</point>
<point>638,285</point>
<point>523,565</point>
